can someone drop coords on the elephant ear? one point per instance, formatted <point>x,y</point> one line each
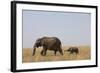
<point>43,41</point>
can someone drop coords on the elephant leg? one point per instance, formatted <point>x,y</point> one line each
<point>55,52</point>
<point>71,52</point>
<point>45,51</point>
<point>60,51</point>
<point>42,52</point>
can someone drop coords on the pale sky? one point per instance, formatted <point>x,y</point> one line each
<point>70,27</point>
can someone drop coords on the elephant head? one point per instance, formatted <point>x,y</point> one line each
<point>36,45</point>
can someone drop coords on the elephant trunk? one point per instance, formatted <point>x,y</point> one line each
<point>34,49</point>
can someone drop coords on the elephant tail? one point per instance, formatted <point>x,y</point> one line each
<point>60,50</point>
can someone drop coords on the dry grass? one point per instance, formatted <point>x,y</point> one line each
<point>84,54</point>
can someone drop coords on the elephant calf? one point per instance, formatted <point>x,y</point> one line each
<point>73,50</point>
<point>48,43</point>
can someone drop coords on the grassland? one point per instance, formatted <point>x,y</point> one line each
<point>84,54</point>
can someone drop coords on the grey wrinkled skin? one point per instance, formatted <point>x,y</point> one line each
<point>48,43</point>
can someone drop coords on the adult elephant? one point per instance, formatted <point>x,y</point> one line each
<point>48,43</point>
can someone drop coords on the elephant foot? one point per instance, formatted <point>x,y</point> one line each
<point>33,54</point>
<point>62,54</point>
<point>43,55</point>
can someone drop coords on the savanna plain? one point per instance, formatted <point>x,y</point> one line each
<point>84,54</point>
